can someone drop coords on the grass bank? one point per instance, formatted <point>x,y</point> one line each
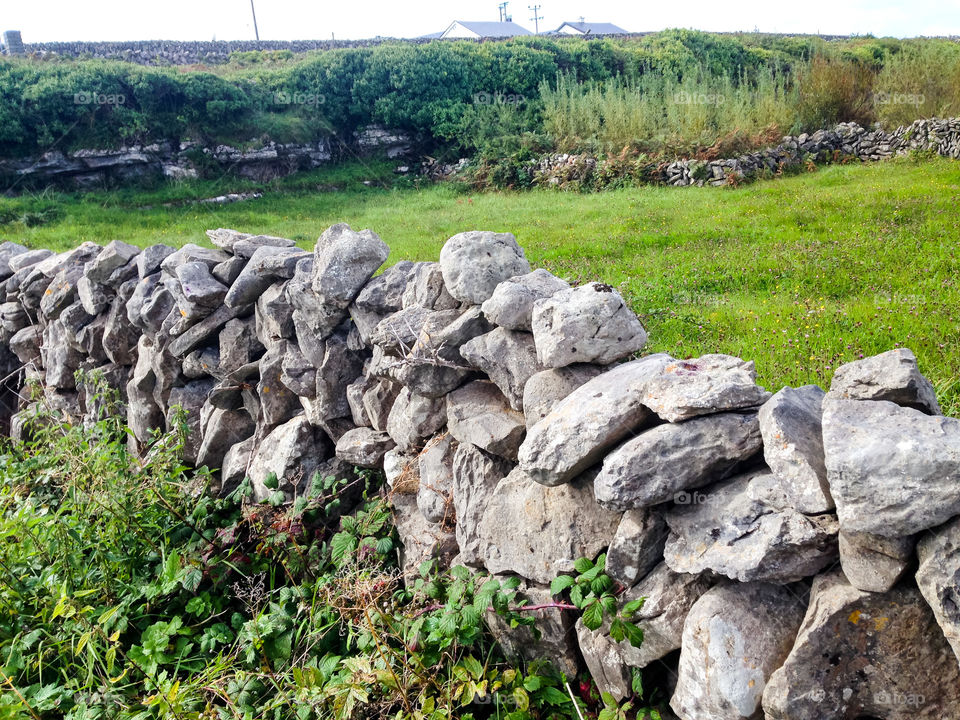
<point>800,274</point>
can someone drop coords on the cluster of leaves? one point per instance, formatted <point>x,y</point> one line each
<point>128,591</point>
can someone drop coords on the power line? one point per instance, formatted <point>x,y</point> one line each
<point>536,17</point>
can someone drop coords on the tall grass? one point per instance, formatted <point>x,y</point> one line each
<point>662,112</point>
<point>921,81</point>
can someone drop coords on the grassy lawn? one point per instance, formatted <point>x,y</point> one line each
<point>800,274</point>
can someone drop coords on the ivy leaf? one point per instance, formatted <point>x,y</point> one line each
<point>593,616</point>
<point>561,583</point>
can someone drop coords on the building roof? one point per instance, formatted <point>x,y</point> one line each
<point>593,28</point>
<point>491,29</point>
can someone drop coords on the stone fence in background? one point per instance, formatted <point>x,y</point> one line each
<point>97,168</point>
<point>846,141</point>
<point>799,552</point>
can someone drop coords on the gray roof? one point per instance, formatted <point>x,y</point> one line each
<point>494,29</point>
<point>595,28</point>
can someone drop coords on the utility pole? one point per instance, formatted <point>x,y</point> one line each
<point>536,17</point>
<point>253,10</point>
<point>504,16</point>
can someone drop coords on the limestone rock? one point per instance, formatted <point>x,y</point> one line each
<point>239,344</point>
<point>378,401</point>
<point>938,578</point>
<point>790,423</point>
<point>508,357</point>
<point>343,262</point>
<point>199,286</point>
<point>292,451</point>
<point>538,532</point>
<point>151,258</point>
<point>873,562</point>
<point>548,387</point>
<point>413,418</point>
<point>659,463</point>
<point>267,265</point>
<point>420,540</point>
<point>591,419</point>
<point>235,463</point>
<point>865,655</point>
<point>222,431</point>
<point>364,447</point>
<point>893,471</point>
<point>113,257</point>
<point>479,414</point>
<point>474,263</point>
<point>710,384</point>
<point>669,597</point>
<point>586,324</point>
<point>892,376</point>
<point>277,403</point>
<point>745,529</point>
<point>340,367</point>
<point>637,546</point>
<point>511,305</point>
<point>425,288</point>
<point>435,494</point>
<point>228,240</point>
<point>475,477</point>
<point>202,332</point>
<point>734,638</point>
<point>381,296</point>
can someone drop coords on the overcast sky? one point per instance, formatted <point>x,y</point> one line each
<point>46,20</point>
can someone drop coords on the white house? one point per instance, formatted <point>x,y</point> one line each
<point>482,30</point>
<point>585,28</point>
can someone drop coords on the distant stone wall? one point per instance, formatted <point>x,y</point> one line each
<point>89,168</point>
<point>799,550</point>
<point>845,141</point>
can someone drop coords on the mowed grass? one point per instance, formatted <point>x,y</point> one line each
<point>799,274</point>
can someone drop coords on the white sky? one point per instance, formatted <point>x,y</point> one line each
<point>47,20</point>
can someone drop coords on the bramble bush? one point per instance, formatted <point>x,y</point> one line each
<point>127,590</point>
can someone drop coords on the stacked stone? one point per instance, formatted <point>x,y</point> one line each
<point>775,537</point>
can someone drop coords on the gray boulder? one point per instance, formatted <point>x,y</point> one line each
<point>734,638</point>
<point>865,655</point>
<point>378,401</point>
<point>668,599</point>
<point>508,357</point>
<point>267,265</point>
<point>413,418</point>
<point>297,374</point>
<point>364,447</point>
<point>511,305</point>
<point>239,344</point>
<point>873,562</point>
<point>938,578</point>
<point>892,376</point>
<point>745,529</point>
<point>192,253</point>
<point>425,288</point>
<point>479,414</point>
<point>344,261</point>
<point>95,298</point>
<point>637,546</point>
<point>702,386</point>
<point>113,257</point>
<point>548,387</point>
<point>538,532</point>
<point>199,286</point>
<point>202,332</point>
<point>420,540</point>
<point>277,403</point>
<point>893,470</point>
<point>235,463</point>
<point>229,240</point>
<point>586,324</point>
<point>381,296</point>
<point>293,451</point>
<point>474,263</point>
<point>223,430</point>
<point>791,426</point>
<point>659,463</point>
<point>475,477</point>
<point>591,419</point>
<point>435,494</point>
<point>151,258</point>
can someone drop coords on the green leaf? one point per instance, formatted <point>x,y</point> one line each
<point>634,634</point>
<point>593,616</point>
<point>341,545</point>
<point>576,596</point>
<point>532,682</point>
<point>633,606</point>
<point>582,565</point>
<point>554,697</point>
<point>617,631</point>
<point>561,583</point>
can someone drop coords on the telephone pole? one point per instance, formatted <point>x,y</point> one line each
<point>253,10</point>
<point>536,17</point>
<point>504,17</point>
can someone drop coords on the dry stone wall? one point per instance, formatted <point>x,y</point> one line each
<point>798,550</point>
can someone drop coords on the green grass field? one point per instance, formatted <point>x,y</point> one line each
<point>800,274</point>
